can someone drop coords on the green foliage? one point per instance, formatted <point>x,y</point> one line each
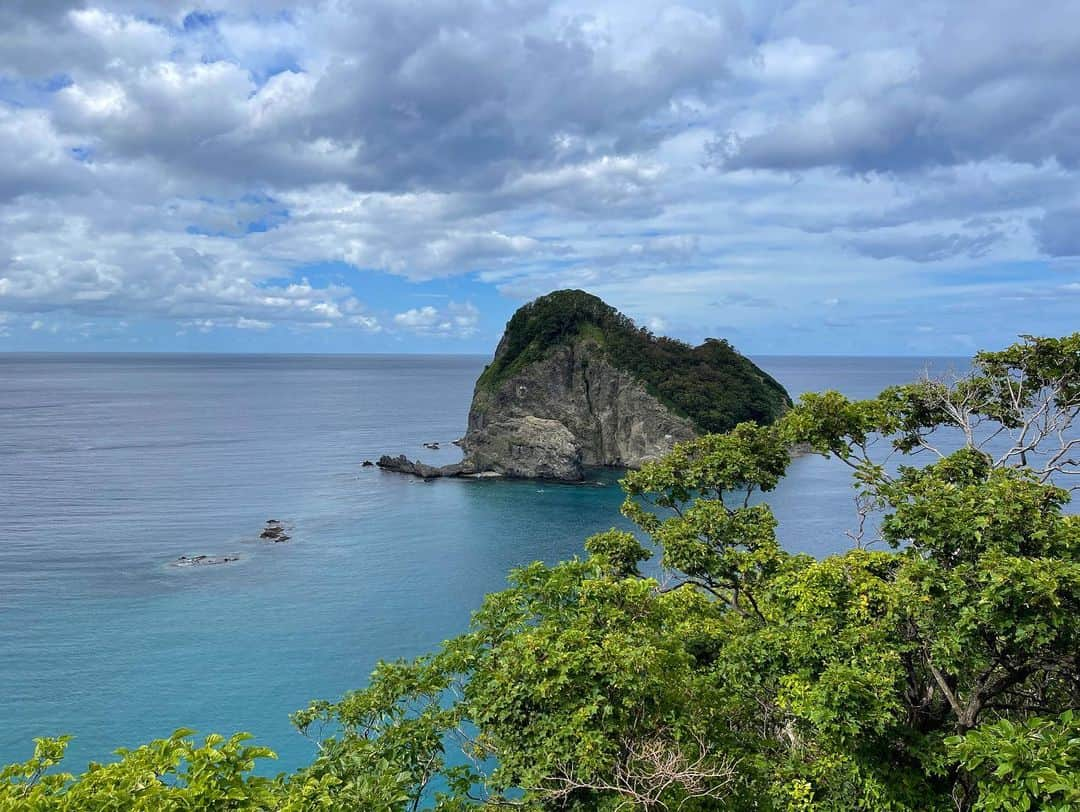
<point>712,384</point>
<point>388,741</point>
<point>1030,764</point>
<point>175,773</point>
<point>27,785</point>
<point>938,671</point>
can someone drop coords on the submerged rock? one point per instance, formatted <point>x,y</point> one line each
<point>204,560</point>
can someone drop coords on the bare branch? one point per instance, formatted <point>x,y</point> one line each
<point>653,773</point>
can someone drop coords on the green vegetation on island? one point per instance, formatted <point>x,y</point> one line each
<point>933,668</point>
<point>712,384</point>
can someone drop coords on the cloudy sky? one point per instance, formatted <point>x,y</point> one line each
<point>810,176</point>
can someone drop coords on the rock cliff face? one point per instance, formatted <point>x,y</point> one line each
<point>574,383</point>
<point>570,410</point>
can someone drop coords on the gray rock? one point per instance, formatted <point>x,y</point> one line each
<point>568,411</point>
<point>403,465</point>
<point>527,446</point>
<point>274,531</point>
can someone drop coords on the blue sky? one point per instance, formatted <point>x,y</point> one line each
<point>810,176</point>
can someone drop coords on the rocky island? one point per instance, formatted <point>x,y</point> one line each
<point>576,384</point>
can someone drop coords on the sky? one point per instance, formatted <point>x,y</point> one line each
<point>812,176</point>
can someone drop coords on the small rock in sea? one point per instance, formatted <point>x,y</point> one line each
<point>204,560</point>
<point>368,464</point>
<point>274,531</point>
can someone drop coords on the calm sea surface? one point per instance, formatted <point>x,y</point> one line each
<point>112,466</point>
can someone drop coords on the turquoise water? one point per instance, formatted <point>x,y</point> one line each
<point>113,466</point>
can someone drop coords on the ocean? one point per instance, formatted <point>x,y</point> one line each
<point>113,466</point>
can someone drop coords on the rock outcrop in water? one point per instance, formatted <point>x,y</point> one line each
<point>403,465</point>
<point>575,384</point>
<point>274,531</point>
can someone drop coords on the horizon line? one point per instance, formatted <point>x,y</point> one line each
<point>223,353</point>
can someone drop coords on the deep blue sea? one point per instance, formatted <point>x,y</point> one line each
<point>112,466</point>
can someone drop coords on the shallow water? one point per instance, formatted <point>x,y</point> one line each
<point>113,466</point>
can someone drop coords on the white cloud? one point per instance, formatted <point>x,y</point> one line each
<point>455,321</point>
<point>788,60</point>
<point>418,318</point>
<point>252,324</point>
